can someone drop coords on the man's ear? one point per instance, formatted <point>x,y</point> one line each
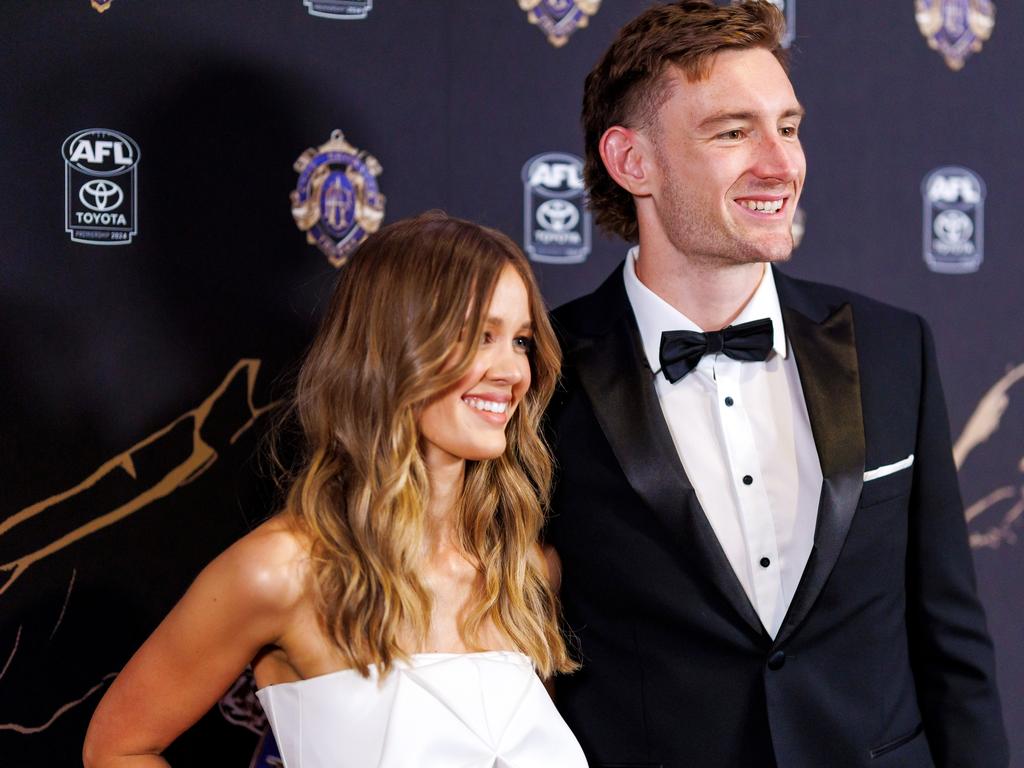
<point>627,156</point>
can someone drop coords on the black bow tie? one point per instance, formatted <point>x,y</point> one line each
<point>682,350</point>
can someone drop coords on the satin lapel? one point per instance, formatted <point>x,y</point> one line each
<point>620,386</point>
<point>826,357</point>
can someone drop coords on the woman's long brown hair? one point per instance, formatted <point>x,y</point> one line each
<point>400,330</point>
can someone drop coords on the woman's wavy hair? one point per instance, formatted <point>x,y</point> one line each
<point>627,86</point>
<point>400,330</point>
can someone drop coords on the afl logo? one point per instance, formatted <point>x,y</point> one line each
<point>100,152</point>
<point>337,202</point>
<point>954,218</point>
<point>556,226</point>
<point>100,187</point>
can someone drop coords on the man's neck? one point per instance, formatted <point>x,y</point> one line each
<point>711,295</point>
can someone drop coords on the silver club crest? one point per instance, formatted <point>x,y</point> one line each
<point>955,28</point>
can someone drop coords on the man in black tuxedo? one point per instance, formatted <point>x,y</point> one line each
<point>764,553</point>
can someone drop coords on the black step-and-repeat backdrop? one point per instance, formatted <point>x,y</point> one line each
<point>180,181</point>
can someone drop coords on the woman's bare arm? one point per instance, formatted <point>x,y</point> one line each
<point>240,603</point>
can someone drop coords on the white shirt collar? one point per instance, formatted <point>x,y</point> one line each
<point>654,314</point>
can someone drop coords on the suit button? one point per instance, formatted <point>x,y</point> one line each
<point>776,660</point>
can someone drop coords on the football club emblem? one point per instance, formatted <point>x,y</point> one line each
<point>788,8</point>
<point>337,202</point>
<point>954,219</point>
<point>559,18</point>
<point>101,5</point>
<point>100,187</point>
<point>339,9</point>
<point>955,28</point>
<point>556,225</point>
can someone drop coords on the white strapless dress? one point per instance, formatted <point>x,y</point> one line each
<point>442,710</point>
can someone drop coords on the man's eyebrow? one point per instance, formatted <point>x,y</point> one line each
<point>728,117</point>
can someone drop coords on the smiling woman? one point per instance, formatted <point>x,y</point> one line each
<point>468,421</point>
<point>407,548</point>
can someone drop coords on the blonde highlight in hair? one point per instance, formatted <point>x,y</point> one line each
<point>394,337</point>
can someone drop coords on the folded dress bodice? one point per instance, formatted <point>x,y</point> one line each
<point>440,710</point>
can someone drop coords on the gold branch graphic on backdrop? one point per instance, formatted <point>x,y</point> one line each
<point>982,424</point>
<point>200,459</point>
<point>29,729</point>
<point>10,657</point>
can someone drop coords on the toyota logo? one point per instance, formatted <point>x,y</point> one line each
<point>100,195</point>
<point>557,215</point>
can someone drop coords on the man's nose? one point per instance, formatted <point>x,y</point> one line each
<point>778,158</point>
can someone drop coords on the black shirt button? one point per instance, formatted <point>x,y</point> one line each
<point>747,480</point>
<point>729,401</point>
<point>765,562</point>
<point>776,661</point>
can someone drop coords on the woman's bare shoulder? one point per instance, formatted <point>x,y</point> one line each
<point>248,598</point>
<point>268,567</point>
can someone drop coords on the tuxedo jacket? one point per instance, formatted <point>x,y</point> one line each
<point>883,658</point>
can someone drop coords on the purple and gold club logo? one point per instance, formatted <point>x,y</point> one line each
<point>101,5</point>
<point>337,202</point>
<point>955,28</point>
<point>559,18</point>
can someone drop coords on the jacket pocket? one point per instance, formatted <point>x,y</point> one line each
<point>891,746</point>
<point>885,489</point>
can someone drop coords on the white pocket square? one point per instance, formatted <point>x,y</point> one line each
<point>888,469</point>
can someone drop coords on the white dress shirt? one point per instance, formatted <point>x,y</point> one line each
<point>743,436</point>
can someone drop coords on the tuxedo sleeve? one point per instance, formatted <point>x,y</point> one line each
<point>951,652</point>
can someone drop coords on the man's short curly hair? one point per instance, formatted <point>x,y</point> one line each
<point>627,86</point>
